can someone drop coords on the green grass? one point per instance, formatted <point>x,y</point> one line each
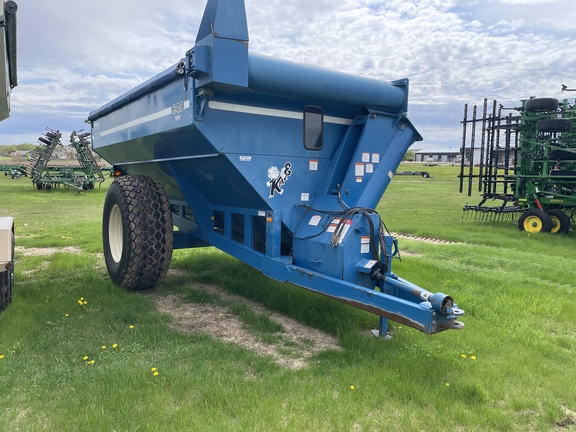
<point>517,290</point>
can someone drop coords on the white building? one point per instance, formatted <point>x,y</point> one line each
<point>453,155</point>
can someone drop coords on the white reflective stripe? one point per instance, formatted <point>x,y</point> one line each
<point>246,109</point>
<point>154,116</point>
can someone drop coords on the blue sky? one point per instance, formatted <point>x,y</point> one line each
<point>76,56</point>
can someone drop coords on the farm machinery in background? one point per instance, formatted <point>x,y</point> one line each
<point>81,177</point>
<point>525,159</point>
<point>276,163</point>
<point>14,171</point>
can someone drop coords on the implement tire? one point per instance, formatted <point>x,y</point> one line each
<point>7,283</point>
<point>560,221</point>
<point>542,104</point>
<point>137,232</point>
<point>555,125</point>
<point>535,221</point>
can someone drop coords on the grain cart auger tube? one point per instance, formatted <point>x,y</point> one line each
<point>276,163</point>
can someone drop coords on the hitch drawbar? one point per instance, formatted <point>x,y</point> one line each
<point>276,163</point>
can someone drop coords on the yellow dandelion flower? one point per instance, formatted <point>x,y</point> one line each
<point>85,358</point>
<point>153,369</point>
<point>131,327</point>
<point>80,302</point>
<point>85,302</point>
<point>66,315</point>
<point>103,346</point>
<point>1,356</point>
<point>351,387</point>
<point>115,346</point>
<point>91,362</point>
<point>463,355</point>
<point>156,373</point>
<point>447,384</point>
<point>473,357</point>
<point>82,298</point>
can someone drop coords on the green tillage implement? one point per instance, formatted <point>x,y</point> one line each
<point>526,160</point>
<point>81,177</point>
<point>14,171</point>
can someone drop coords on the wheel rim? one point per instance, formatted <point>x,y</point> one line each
<point>115,233</point>
<point>556,224</point>
<point>533,224</point>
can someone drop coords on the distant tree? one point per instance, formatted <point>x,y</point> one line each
<point>5,150</point>
<point>409,156</point>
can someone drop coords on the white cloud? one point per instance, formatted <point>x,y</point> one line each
<point>75,56</point>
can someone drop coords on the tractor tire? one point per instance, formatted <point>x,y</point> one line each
<point>7,283</point>
<point>560,221</point>
<point>542,104</point>
<point>555,125</point>
<point>137,232</point>
<point>535,221</point>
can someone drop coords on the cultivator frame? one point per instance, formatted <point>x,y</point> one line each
<point>14,171</point>
<point>527,160</point>
<point>82,177</point>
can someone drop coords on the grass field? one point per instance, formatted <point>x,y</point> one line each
<point>78,353</point>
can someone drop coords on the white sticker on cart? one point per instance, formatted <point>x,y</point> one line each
<point>333,225</point>
<point>359,171</point>
<point>365,157</point>
<point>315,220</point>
<point>344,231</point>
<point>261,213</point>
<point>390,174</point>
<point>313,165</point>
<point>370,264</point>
<point>369,168</point>
<point>375,158</point>
<point>358,179</point>
<point>305,197</point>
<point>365,244</point>
<point>245,158</point>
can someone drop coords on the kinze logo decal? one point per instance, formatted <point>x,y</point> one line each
<point>278,178</point>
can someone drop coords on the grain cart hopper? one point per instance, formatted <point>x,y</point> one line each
<point>526,161</point>
<point>276,163</point>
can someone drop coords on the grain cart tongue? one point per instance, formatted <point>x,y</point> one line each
<point>276,163</point>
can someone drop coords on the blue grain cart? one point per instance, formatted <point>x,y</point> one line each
<point>277,163</point>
